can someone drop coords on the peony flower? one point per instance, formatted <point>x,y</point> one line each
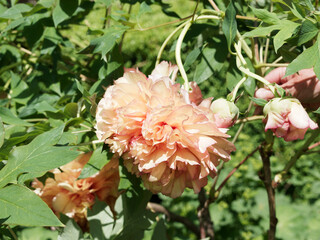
<point>287,118</point>
<point>67,194</point>
<point>225,112</point>
<point>166,135</point>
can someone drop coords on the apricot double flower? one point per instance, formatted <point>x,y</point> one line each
<point>67,194</point>
<point>167,135</point>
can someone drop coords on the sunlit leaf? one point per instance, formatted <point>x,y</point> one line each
<point>37,157</point>
<point>64,10</point>
<point>24,207</point>
<point>266,16</point>
<point>307,59</point>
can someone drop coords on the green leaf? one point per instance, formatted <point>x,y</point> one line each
<point>259,101</point>
<point>9,118</point>
<point>16,11</point>
<point>212,60</point>
<point>144,8</point>
<point>106,2</point>
<point>229,25</point>
<point>266,16</point>
<point>64,10</point>
<point>1,133</point>
<point>317,111</point>
<point>37,157</point>
<point>71,231</point>
<point>262,31</point>
<point>280,91</point>
<point>95,164</point>
<point>24,207</point>
<point>250,86</point>
<point>307,32</point>
<point>71,109</point>
<point>105,43</point>
<point>307,59</point>
<point>191,58</point>
<point>287,29</point>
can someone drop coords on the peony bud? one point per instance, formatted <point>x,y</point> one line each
<point>225,112</point>
<point>287,118</point>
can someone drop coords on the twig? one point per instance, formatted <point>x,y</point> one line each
<point>249,119</point>
<point>213,4</point>
<point>12,233</point>
<point>212,191</point>
<point>195,10</point>
<point>265,176</point>
<point>206,224</point>
<point>247,18</point>
<point>314,145</point>
<point>162,24</point>
<point>235,169</point>
<point>302,150</point>
<point>174,217</point>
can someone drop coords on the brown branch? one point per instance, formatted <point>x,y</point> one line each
<point>154,207</point>
<point>314,145</point>
<point>236,168</point>
<point>162,24</point>
<point>206,224</point>
<point>214,5</point>
<point>265,176</point>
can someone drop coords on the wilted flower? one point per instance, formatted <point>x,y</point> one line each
<point>166,137</point>
<point>225,112</point>
<point>67,194</point>
<point>287,118</point>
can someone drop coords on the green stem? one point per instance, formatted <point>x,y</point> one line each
<point>235,90</point>
<point>271,65</point>
<point>164,44</point>
<point>245,46</point>
<point>178,54</point>
<point>12,233</point>
<point>8,67</point>
<point>249,119</point>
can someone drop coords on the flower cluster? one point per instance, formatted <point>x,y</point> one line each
<point>167,135</point>
<point>67,194</point>
<point>287,118</point>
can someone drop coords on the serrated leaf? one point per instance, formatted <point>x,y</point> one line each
<point>307,59</point>
<point>286,32</point>
<point>1,132</point>
<point>259,101</point>
<point>229,24</point>
<point>24,207</point>
<point>266,16</point>
<point>307,32</point>
<point>9,118</point>
<point>262,31</point>
<point>105,43</point>
<point>64,10</point>
<point>144,8</point>
<point>37,157</point>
